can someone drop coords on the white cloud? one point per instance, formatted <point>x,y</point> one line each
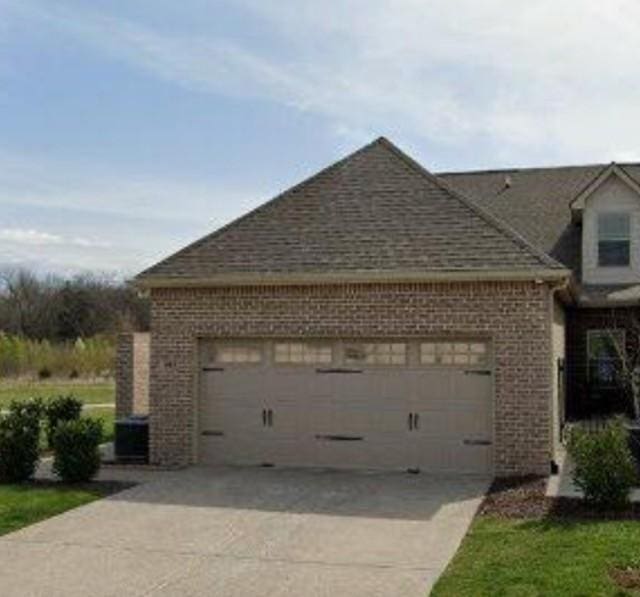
<point>29,237</point>
<point>536,79</point>
<point>24,236</point>
<point>48,182</point>
<point>72,216</point>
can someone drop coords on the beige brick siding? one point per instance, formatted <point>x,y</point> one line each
<point>516,316</point>
<point>132,374</point>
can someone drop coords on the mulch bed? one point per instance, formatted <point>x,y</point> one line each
<point>524,497</point>
<point>101,488</point>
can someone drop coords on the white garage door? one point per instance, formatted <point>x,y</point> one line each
<point>423,404</point>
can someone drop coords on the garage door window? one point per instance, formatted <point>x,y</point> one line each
<point>237,353</point>
<point>303,353</point>
<point>376,353</point>
<point>453,353</point>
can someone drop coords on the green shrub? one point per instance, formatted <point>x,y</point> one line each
<point>62,408</point>
<point>76,454</point>
<point>604,467</point>
<point>19,440</point>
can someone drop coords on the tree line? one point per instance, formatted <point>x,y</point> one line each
<point>64,309</point>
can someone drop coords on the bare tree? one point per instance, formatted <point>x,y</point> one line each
<point>627,348</point>
<point>65,309</point>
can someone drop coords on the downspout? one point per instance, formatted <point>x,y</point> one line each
<point>563,285</point>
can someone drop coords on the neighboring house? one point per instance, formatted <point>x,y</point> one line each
<point>378,315</point>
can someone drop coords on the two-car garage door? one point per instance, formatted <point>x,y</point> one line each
<point>419,404</point>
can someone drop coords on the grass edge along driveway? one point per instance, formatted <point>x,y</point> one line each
<point>28,503</point>
<point>522,543</point>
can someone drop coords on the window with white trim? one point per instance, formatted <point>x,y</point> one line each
<point>454,353</point>
<point>236,352</point>
<point>303,353</point>
<point>614,240</point>
<point>604,357</point>
<point>375,353</point>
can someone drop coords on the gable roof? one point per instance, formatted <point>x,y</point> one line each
<point>376,214</point>
<point>578,203</point>
<point>537,202</point>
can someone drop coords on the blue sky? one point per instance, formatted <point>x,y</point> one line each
<point>130,127</point>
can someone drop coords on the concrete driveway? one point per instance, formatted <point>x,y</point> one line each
<point>241,532</point>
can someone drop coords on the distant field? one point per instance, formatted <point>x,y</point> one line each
<point>101,392</point>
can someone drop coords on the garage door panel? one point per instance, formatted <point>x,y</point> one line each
<point>433,385</point>
<point>284,385</point>
<point>389,453</point>
<point>448,424</point>
<point>324,416</point>
<point>453,457</point>
<point>344,454</point>
<point>473,386</point>
<point>249,381</point>
<point>289,451</point>
<point>240,450</point>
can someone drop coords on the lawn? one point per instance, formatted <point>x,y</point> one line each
<point>89,392</point>
<point>108,418</point>
<point>22,505</point>
<point>523,544</point>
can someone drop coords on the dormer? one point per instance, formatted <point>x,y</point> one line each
<point>609,211</point>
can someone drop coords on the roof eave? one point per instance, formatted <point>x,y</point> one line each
<point>356,277</point>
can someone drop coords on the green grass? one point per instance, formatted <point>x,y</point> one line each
<point>22,505</point>
<point>541,558</point>
<point>89,392</point>
<point>108,418</point>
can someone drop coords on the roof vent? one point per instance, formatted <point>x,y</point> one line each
<point>507,182</point>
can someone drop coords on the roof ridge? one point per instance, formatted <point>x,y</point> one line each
<point>496,223</point>
<point>526,169</point>
<point>258,209</point>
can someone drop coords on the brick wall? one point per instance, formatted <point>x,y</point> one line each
<point>132,374</point>
<point>516,316</point>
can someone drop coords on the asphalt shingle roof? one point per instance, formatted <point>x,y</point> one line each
<point>537,202</point>
<point>376,210</point>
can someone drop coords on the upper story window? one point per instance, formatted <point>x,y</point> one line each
<point>613,239</point>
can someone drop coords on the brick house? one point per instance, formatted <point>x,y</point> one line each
<point>377,315</point>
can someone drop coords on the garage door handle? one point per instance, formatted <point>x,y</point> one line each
<point>213,368</point>
<point>264,417</point>
<point>338,370</point>
<point>477,442</point>
<point>270,417</point>
<point>410,422</point>
<point>477,372</point>
<point>213,433</point>
<point>416,421</point>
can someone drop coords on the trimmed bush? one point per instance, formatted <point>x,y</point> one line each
<point>62,408</point>
<point>19,441</point>
<point>76,454</point>
<point>604,467</point>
